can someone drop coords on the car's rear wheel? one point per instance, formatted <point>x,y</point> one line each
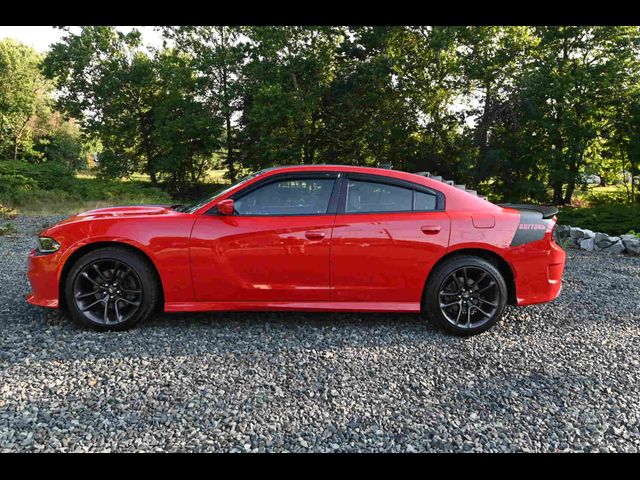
<point>465,295</point>
<point>111,288</point>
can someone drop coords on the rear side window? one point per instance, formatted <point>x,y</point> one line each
<point>369,197</point>
<point>424,202</point>
<point>308,196</point>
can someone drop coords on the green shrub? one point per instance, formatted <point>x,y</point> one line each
<point>608,197</point>
<point>46,175</point>
<point>610,219</point>
<point>49,187</point>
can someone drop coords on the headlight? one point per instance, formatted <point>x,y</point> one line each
<point>47,245</point>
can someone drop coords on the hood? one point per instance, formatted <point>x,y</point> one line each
<point>119,212</point>
<point>126,211</point>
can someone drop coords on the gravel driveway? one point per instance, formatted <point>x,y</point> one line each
<point>556,377</point>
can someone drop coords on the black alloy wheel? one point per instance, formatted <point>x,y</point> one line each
<point>465,294</point>
<point>111,288</point>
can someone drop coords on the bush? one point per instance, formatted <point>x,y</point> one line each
<point>49,187</point>
<point>611,219</point>
<point>47,176</point>
<point>608,197</point>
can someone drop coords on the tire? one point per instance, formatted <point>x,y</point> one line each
<point>462,303</point>
<point>125,289</point>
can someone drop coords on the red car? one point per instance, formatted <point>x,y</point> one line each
<point>312,238</point>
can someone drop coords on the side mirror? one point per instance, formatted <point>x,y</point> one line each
<point>226,207</point>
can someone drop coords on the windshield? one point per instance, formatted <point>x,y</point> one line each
<point>220,191</point>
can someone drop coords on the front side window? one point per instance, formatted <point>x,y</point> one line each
<point>369,197</point>
<point>304,196</point>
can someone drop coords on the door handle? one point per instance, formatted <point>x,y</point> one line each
<point>430,229</point>
<point>311,235</point>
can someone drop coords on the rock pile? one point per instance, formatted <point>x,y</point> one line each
<point>586,239</point>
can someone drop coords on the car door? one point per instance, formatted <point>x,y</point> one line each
<point>275,248</point>
<point>387,236</point>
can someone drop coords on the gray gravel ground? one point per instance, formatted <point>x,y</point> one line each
<point>556,377</point>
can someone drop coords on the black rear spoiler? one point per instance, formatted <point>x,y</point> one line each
<point>547,211</point>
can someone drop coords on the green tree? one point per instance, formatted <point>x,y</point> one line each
<point>24,95</point>
<point>216,55</point>
<point>143,108</point>
<point>286,75</point>
<point>570,87</point>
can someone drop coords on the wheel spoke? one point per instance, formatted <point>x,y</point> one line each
<point>105,317</point>
<point>488,302</point>
<point>466,277</point>
<point>447,305</point>
<point>468,317</point>
<point>126,290</point>
<point>482,277</point>
<point>491,284</point>
<point>116,269</point>
<point>459,313</point>
<point>86,275</point>
<point>97,270</point>
<point>85,295</point>
<point>118,316</point>
<point>122,299</point>
<point>488,315</point>
<point>84,309</point>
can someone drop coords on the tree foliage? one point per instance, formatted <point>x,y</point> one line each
<point>521,113</point>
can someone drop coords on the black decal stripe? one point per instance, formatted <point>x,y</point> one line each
<point>532,227</point>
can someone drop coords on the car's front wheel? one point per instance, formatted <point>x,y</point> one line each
<point>111,288</point>
<point>465,295</point>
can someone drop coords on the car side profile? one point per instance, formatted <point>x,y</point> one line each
<point>309,238</point>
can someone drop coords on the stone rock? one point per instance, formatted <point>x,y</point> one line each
<point>602,240</point>
<point>631,244</point>
<point>587,244</point>
<point>576,233</point>
<point>617,247</point>
<point>563,231</point>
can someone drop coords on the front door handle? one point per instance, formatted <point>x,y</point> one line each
<point>430,229</point>
<point>311,235</point>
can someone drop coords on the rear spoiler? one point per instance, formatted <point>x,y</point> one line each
<point>547,211</point>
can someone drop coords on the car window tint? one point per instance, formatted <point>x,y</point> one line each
<point>377,197</point>
<point>308,196</point>
<point>424,201</point>
<point>365,197</point>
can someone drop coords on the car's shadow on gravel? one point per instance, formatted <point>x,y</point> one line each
<point>229,333</point>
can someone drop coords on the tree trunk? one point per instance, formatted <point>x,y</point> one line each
<point>557,194</point>
<point>482,133</point>
<point>569,192</point>
<point>17,139</point>
<point>227,115</point>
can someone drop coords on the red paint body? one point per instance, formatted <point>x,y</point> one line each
<point>338,261</point>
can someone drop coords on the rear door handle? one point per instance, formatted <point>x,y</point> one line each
<point>311,235</point>
<point>430,229</point>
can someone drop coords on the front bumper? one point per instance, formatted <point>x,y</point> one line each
<point>42,271</point>
<point>538,268</point>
